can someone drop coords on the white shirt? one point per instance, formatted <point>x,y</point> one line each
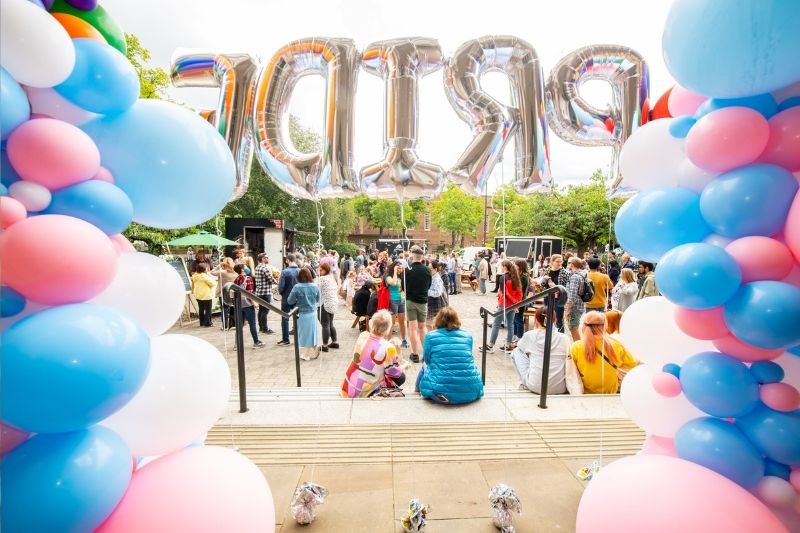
<point>532,343</point>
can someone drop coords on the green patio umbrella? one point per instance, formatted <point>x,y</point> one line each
<point>202,238</point>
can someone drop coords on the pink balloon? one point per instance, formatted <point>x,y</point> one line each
<point>792,229</point>
<point>121,243</point>
<point>660,494</point>
<point>793,278</point>
<point>56,259</point>
<point>761,258</point>
<point>683,102</point>
<point>655,445</point>
<point>195,489</point>
<point>708,324</point>
<point>52,153</point>
<point>666,384</point>
<point>10,438</point>
<point>727,138</point>
<point>775,491</point>
<point>794,479</point>
<point>104,175</point>
<point>780,396</point>
<point>744,352</point>
<point>11,211</point>
<point>783,147</point>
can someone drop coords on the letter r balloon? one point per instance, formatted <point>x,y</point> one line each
<point>235,75</point>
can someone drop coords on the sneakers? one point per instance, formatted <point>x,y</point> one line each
<point>333,345</point>
<point>324,348</point>
<point>489,348</point>
<point>414,358</point>
<point>508,348</point>
<point>270,332</point>
<point>259,344</point>
<point>283,343</point>
<point>404,344</point>
<point>522,386</point>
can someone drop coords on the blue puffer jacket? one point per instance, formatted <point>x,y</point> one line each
<point>450,368</point>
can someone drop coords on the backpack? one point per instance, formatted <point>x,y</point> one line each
<point>586,290</point>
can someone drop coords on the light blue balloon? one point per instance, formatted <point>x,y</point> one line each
<point>3,190</point>
<point>698,276</point>
<point>733,48</point>
<point>749,200</point>
<point>173,165</point>
<point>11,302</point>
<point>795,350</point>
<point>721,447</point>
<point>64,482</point>
<point>97,202</point>
<point>14,106</point>
<point>719,385</point>
<point>767,372</point>
<point>68,367</point>
<point>680,126</point>
<point>653,222</point>
<point>765,314</point>
<point>763,103</point>
<point>776,434</point>
<point>103,80</point>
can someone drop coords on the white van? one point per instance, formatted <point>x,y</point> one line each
<point>468,256</point>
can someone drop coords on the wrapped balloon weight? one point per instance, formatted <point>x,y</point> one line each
<point>325,174</point>
<point>417,517</point>
<point>504,501</point>
<point>235,75</point>
<point>578,122</point>
<point>401,174</point>
<point>493,123</point>
<point>305,500</point>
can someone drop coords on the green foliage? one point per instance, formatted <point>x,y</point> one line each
<point>581,214</point>
<point>345,248</point>
<point>386,214</point>
<point>458,213</point>
<point>154,81</point>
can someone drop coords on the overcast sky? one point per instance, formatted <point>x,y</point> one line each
<point>553,27</point>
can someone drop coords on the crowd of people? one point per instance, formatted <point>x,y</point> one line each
<point>410,291</point>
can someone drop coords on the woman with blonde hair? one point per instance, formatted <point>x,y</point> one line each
<point>225,274</point>
<point>613,319</point>
<point>624,293</point>
<point>602,361</point>
<point>328,288</point>
<point>374,360</point>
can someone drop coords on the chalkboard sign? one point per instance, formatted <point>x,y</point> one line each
<point>180,267</point>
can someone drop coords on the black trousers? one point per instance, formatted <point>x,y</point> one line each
<point>328,330</point>
<point>263,311</point>
<point>204,312</point>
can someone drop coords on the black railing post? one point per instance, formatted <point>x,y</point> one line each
<point>296,347</point>
<point>237,309</point>
<point>549,309</point>
<point>485,317</point>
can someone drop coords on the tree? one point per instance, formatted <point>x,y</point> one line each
<point>457,212</point>
<point>153,81</point>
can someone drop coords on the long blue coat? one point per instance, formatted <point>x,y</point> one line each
<point>450,369</point>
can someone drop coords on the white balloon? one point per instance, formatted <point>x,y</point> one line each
<point>648,330</point>
<point>718,240</point>
<point>654,413</point>
<point>689,176</point>
<point>651,157</point>
<point>49,102</point>
<point>33,196</point>
<point>791,368</point>
<point>147,289</point>
<point>36,49</point>
<point>185,392</point>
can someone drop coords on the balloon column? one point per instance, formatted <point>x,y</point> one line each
<point>89,379</point>
<point>718,209</point>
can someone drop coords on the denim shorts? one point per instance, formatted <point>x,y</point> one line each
<point>397,307</point>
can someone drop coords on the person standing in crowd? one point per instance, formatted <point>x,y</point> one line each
<point>509,294</point>
<point>360,306</point>
<point>418,282</point>
<point>286,283</point>
<point>265,282</point>
<point>519,316</point>
<point>241,257</point>
<point>648,277</point>
<point>451,273</point>
<point>625,292</point>
<point>202,259</point>
<point>306,296</point>
<point>361,260</point>
<point>613,319</point>
<point>189,255</point>
<point>601,360</point>
<point>613,270</point>
<point>449,375</point>
<point>436,294</point>
<point>328,289</point>
<point>349,288</point>
<point>627,263</point>
<point>248,311</point>
<point>397,303</point>
<point>575,307</point>
<point>457,280</point>
<point>557,275</point>
<point>203,290</point>
<point>528,357</point>
<point>602,287</point>
<point>225,275</point>
<point>347,266</point>
<point>483,272</point>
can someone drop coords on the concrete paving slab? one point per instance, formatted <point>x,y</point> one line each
<point>453,490</point>
<point>283,480</point>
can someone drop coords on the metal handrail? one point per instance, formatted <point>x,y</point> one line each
<point>550,303</point>
<point>238,292</point>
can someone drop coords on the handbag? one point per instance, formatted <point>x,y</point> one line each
<point>572,376</point>
<point>621,372</point>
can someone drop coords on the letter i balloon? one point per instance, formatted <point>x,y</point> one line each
<point>718,210</point>
<point>86,361</point>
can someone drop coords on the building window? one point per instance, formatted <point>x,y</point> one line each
<point>427,220</point>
